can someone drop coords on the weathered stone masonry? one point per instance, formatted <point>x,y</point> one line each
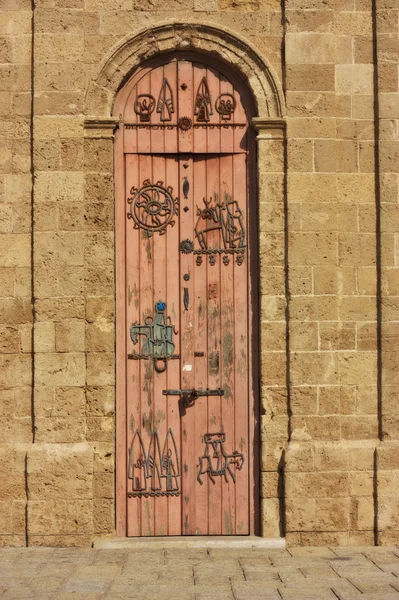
<point>325,78</point>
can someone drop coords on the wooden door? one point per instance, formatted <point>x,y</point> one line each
<point>186,312</point>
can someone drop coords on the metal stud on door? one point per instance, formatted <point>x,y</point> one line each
<point>187,310</point>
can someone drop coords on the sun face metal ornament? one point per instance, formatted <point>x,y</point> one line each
<point>152,207</point>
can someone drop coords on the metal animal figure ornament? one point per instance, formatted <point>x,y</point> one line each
<point>203,102</point>
<point>152,472</point>
<point>216,462</point>
<point>228,218</point>
<point>158,338</point>
<point>165,104</point>
<point>144,107</point>
<point>153,207</point>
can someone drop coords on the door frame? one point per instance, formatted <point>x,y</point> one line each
<point>120,282</point>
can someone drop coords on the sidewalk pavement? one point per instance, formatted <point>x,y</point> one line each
<point>199,574</point>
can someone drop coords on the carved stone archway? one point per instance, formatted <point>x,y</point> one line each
<point>225,46</point>
<point>172,36</point>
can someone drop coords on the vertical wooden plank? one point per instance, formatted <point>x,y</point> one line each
<point>187,353</point>
<point>159,412</point>
<point>227,350</point>
<point>131,298</point>
<point>227,132</point>
<point>185,103</point>
<point>213,137</point>
<point>200,342</point>
<point>121,433</point>
<point>173,371</point>
<point>170,135</point>
<point>157,135</point>
<point>240,134</point>
<point>214,347</point>
<point>241,356</point>
<point>147,368</point>
<point>144,133</point>
<point>199,133</point>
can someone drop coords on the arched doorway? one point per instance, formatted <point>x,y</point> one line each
<point>186,296</point>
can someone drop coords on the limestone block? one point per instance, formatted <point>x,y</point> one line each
<point>14,23</point>
<point>103,485</point>
<point>59,186</point>
<point>337,336</point>
<point>71,281</point>
<point>52,20</point>
<point>332,514</point>
<point>79,516</point>
<point>313,308</point>
<point>270,517</point>
<point>299,457</point>
<point>300,514</point>
<point>57,127</point>
<point>356,249</point>
<point>271,217</point>
<point>273,336</point>
<point>47,516</point>
<point>366,280</point>
<point>354,79</point>
<point>59,248</point>
<point>306,428</point>
<point>361,483</point>
<point>313,248</point>
<point>317,485</point>
<point>9,339</point>
<point>104,517</point>
<point>100,368</point>
<point>104,457</point>
<point>272,281</point>
<point>310,48</point>
<point>59,77</point>
<point>99,248</point>
<point>388,457</point>
<point>69,402</point>
<point>44,335</point>
<point>304,400</point>
<point>58,309</point>
<point>367,336</point>
<point>6,518</point>
<point>98,155</point>
<point>300,280</point>
<point>64,103</point>
<point>337,400</point>
<point>331,457</point>
<point>274,429</point>
<point>336,156</point>
<point>273,368</point>
<point>14,250</point>
<point>99,216</point>
<point>60,471</point>
<point>100,401</point>
<point>100,309</point>
<point>359,427</point>
<point>58,47</point>
<point>71,154</point>
<point>357,366</point>
<point>388,483</point>
<point>15,370</point>
<point>100,429</point>
<point>310,77</point>
<point>99,280</point>
<point>70,336</point>
<point>98,187</point>
<point>304,336</point>
<point>314,368</point>
<point>60,429</point>
<point>67,369</point>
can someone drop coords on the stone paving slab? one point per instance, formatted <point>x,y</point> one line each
<point>213,573</point>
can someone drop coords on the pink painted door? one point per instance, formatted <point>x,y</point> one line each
<point>187,310</point>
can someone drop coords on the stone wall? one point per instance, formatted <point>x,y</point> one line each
<point>327,221</point>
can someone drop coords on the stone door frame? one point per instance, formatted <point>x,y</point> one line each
<point>100,125</point>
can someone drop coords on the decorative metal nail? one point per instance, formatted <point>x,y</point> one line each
<point>186,246</point>
<point>186,277</point>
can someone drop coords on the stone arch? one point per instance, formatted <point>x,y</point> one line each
<point>172,36</point>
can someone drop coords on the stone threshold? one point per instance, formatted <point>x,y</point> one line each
<point>152,543</point>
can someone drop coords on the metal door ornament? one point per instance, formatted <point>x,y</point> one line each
<point>153,473</point>
<point>144,107</point>
<point>216,462</point>
<point>153,207</point>
<point>165,104</point>
<point>158,343</point>
<point>203,102</point>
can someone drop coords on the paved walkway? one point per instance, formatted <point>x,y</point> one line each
<point>200,574</point>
